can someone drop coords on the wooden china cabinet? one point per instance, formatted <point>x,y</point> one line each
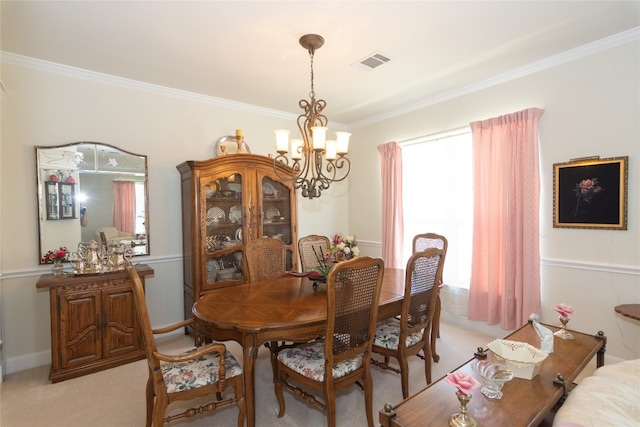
<point>228,201</point>
<point>94,324</point>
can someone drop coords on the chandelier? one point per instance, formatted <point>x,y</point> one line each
<point>315,161</point>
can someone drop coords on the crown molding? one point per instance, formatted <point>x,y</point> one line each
<point>82,74</point>
<point>607,43</point>
<point>601,45</point>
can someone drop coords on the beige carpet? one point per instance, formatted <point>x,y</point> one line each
<point>115,397</point>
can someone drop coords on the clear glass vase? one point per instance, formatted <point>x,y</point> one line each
<point>57,269</point>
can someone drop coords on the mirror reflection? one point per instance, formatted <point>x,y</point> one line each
<point>91,191</point>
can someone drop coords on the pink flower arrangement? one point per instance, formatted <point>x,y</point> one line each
<point>464,382</point>
<point>564,310</point>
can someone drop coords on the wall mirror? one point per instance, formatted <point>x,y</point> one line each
<point>85,187</point>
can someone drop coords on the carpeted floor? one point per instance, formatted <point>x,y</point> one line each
<point>115,397</point>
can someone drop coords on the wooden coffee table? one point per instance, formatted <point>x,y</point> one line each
<point>524,403</point>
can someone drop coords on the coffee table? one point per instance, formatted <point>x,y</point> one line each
<point>524,403</point>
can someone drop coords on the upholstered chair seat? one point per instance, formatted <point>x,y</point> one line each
<point>308,360</point>
<point>388,335</point>
<point>195,373</point>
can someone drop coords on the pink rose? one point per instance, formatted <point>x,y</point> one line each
<point>463,381</point>
<point>563,309</point>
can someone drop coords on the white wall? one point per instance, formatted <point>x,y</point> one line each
<point>45,108</point>
<point>592,107</point>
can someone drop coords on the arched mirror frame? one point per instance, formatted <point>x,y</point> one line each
<point>100,164</point>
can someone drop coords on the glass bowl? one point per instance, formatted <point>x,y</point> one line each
<point>492,377</point>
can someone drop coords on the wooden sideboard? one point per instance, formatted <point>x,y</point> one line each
<point>94,324</point>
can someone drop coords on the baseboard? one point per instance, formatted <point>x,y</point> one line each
<point>27,361</point>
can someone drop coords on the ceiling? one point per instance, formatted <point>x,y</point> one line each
<point>248,51</point>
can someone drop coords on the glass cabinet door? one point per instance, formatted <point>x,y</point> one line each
<point>223,232</point>
<point>276,215</point>
<point>52,199</point>
<point>67,200</point>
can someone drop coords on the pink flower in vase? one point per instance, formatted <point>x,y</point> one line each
<point>564,310</point>
<point>464,382</point>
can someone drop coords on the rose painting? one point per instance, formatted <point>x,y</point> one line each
<point>590,193</point>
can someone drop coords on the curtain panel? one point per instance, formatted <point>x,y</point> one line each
<point>392,215</point>
<point>505,267</point>
<point>124,206</point>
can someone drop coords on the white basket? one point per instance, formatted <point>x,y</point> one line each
<point>523,359</point>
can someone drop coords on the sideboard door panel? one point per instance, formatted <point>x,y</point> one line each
<point>121,327</point>
<point>79,328</point>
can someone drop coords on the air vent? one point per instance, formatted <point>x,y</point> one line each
<point>372,61</point>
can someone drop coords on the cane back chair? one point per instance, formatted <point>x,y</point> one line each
<point>266,259</point>
<point>409,335</point>
<point>343,357</point>
<point>198,373</point>
<point>422,242</point>
<point>310,249</point>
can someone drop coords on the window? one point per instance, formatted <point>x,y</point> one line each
<point>140,214</point>
<point>438,197</point>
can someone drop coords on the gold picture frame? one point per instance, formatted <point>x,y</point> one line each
<point>591,193</point>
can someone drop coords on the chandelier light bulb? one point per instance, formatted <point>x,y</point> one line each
<point>319,134</point>
<point>282,140</point>
<point>342,142</point>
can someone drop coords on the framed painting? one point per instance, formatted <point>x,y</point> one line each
<point>591,193</point>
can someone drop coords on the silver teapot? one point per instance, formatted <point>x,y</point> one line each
<point>91,254</point>
<point>118,255</point>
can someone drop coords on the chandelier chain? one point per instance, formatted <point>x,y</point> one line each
<point>312,94</point>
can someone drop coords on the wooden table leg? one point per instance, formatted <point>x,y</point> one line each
<point>249,354</point>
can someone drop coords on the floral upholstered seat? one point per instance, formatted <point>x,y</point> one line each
<point>388,335</point>
<point>198,372</point>
<point>308,360</point>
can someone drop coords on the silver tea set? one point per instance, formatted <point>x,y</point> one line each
<point>92,257</point>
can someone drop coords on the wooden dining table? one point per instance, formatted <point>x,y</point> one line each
<point>288,308</point>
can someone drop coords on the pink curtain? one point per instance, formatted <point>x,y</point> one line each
<point>392,219</point>
<point>505,266</point>
<point>124,206</point>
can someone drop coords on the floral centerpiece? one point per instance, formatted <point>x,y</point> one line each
<point>340,249</point>
<point>56,257</point>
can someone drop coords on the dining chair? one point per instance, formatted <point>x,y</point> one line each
<point>310,248</point>
<point>343,357</point>
<point>422,242</point>
<point>266,259</point>
<point>409,335</point>
<point>200,372</point>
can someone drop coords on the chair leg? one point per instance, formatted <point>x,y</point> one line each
<point>242,405</point>
<point>158,412</point>
<point>150,394</point>
<point>404,375</point>
<point>278,384</point>
<point>368,397</point>
<point>330,404</point>
<point>427,363</point>
<point>435,330</point>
